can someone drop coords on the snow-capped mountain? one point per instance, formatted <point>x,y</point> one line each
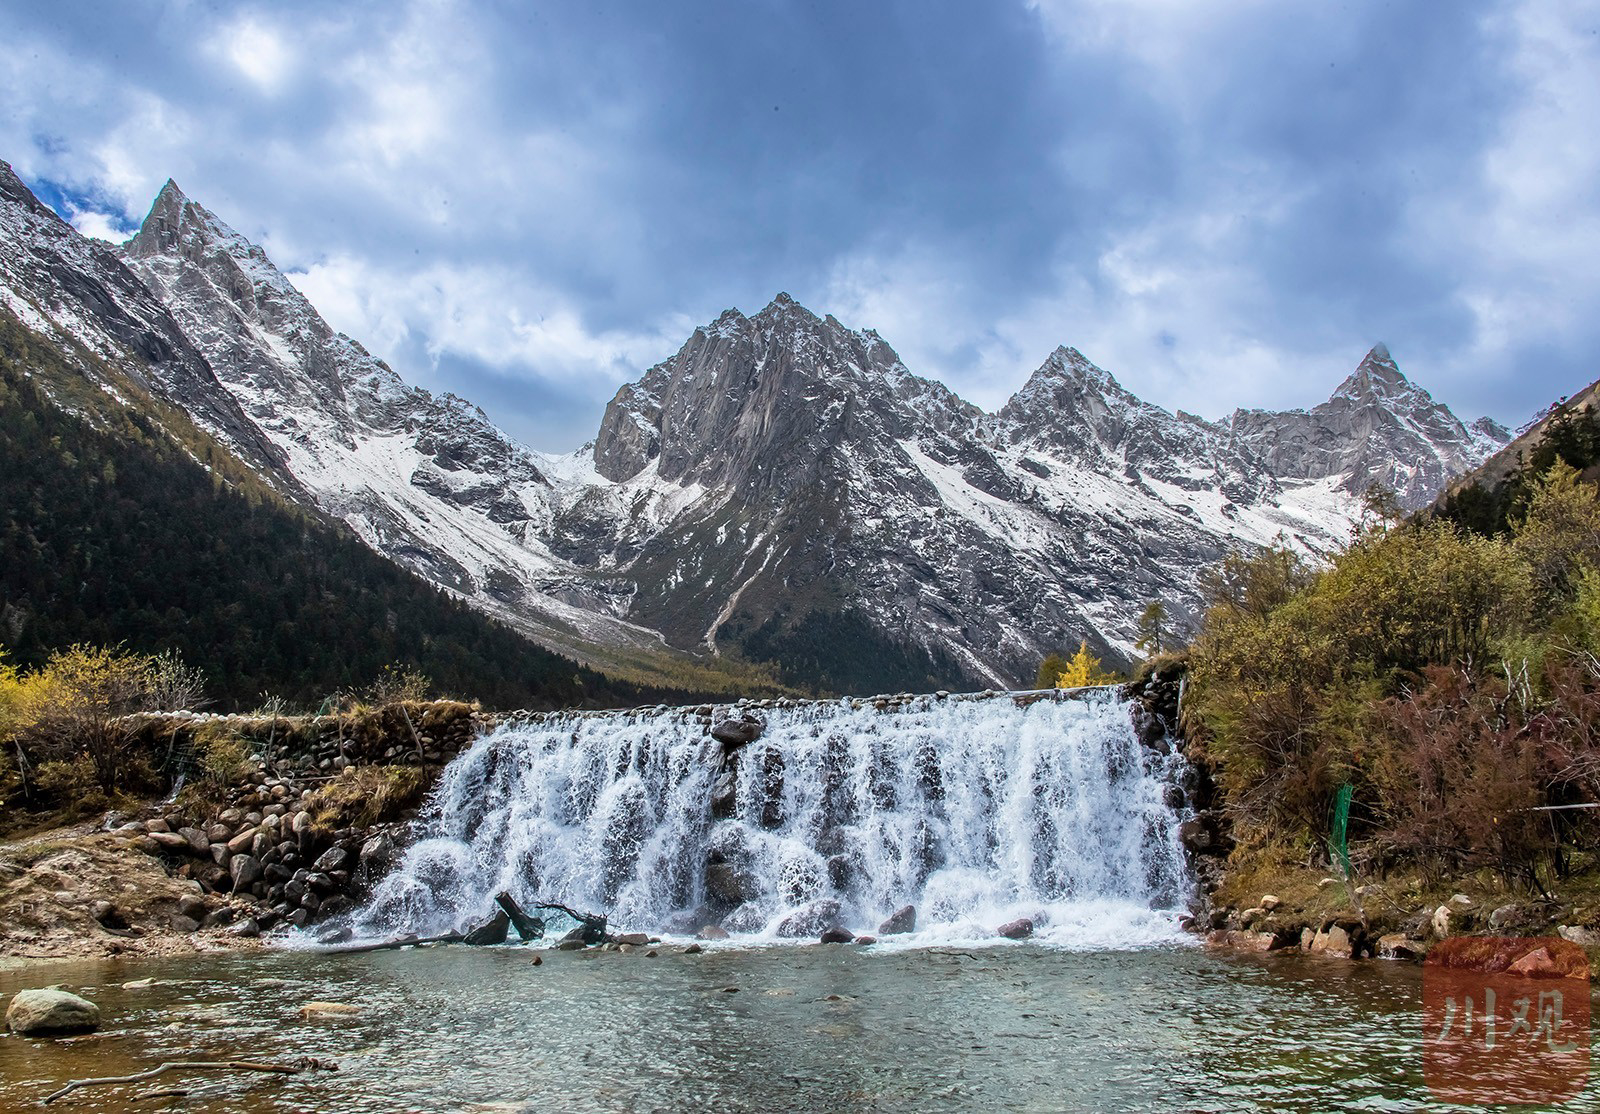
<point>781,487</point>
<point>1377,428</point>
<point>78,295</point>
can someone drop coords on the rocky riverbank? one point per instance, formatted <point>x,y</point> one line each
<point>317,813</point>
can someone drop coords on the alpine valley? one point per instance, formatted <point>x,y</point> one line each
<point>781,489</point>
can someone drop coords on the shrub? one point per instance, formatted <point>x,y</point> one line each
<point>224,756</point>
<point>79,703</point>
<point>365,795</point>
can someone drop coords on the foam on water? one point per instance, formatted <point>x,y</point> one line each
<point>975,811</point>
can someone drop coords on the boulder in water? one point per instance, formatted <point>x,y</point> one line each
<point>813,920</point>
<point>492,932</point>
<point>712,932</point>
<point>1397,945</point>
<point>749,917</point>
<point>318,1011</point>
<point>837,936</point>
<point>730,886</point>
<point>1019,929</point>
<point>900,922</point>
<point>44,1013</point>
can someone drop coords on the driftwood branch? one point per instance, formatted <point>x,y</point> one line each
<point>305,1063</point>
<point>403,942</point>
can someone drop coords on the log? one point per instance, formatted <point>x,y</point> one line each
<point>305,1063</point>
<point>529,928</point>
<point>403,942</point>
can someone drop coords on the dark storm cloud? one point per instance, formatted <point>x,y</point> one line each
<point>1224,204</point>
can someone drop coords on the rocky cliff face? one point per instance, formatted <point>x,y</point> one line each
<point>1377,428</point>
<point>425,479</point>
<point>781,487</point>
<point>78,294</point>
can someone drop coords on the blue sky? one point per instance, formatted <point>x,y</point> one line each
<point>1224,204</point>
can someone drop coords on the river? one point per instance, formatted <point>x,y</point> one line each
<point>1014,1027</point>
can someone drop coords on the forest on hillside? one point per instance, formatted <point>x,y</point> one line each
<point>121,524</point>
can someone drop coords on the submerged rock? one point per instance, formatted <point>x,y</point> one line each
<point>313,1011</point>
<point>51,1013</point>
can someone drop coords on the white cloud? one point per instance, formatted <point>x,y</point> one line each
<point>485,314</point>
<point>258,51</point>
<point>101,226</point>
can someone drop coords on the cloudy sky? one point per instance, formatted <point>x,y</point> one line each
<point>1223,203</point>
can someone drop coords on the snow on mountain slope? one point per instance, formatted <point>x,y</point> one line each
<point>424,479</point>
<point>1377,428</point>
<point>780,484</point>
<point>76,293</point>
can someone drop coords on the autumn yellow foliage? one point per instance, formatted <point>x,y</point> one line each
<point>1083,670</point>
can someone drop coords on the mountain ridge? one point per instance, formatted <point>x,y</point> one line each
<point>782,473</point>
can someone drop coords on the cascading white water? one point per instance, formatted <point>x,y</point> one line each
<point>975,811</point>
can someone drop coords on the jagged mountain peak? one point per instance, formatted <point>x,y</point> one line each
<point>1492,430</point>
<point>1378,427</point>
<point>1379,377</point>
<point>171,194</point>
<point>1068,362</point>
<point>14,190</point>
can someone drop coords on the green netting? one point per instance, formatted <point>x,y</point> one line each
<point>1338,846</point>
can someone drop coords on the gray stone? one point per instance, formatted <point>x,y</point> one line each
<point>813,920</point>
<point>171,841</point>
<point>245,871</point>
<point>331,860</point>
<point>901,921</point>
<point>51,1013</point>
<point>737,732</point>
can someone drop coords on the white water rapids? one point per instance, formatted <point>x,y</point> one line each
<point>977,812</point>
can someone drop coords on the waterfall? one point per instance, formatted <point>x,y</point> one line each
<point>975,811</point>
